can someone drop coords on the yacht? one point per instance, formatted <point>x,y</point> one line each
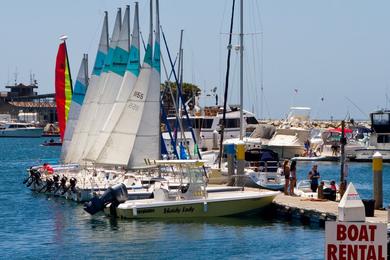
<point>379,139</point>
<point>206,125</point>
<point>289,138</point>
<point>15,129</point>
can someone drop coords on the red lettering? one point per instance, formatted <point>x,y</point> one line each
<point>353,232</point>
<point>371,253</point>
<point>363,236</point>
<point>341,232</point>
<point>332,250</point>
<point>352,252</point>
<point>362,251</point>
<point>372,229</point>
<point>380,251</point>
<point>342,252</point>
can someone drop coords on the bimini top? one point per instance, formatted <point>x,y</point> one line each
<point>194,162</point>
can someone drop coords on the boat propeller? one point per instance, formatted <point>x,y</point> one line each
<point>115,195</point>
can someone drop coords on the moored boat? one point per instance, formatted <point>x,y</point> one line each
<point>14,129</point>
<point>190,200</point>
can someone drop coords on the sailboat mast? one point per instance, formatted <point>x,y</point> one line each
<point>151,25</point>
<point>241,68</point>
<point>86,69</point>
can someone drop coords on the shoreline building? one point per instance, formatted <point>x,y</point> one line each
<point>23,103</point>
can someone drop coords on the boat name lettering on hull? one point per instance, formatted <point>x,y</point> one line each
<point>143,211</point>
<point>178,210</point>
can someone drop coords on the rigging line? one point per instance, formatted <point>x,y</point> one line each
<point>189,124</point>
<point>356,106</point>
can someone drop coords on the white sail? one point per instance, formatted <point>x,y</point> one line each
<point>112,85</point>
<point>147,139</point>
<point>129,80</point>
<point>139,121</point>
<point>77,154</point>
<point>91,92</point>
<point>78,96</point>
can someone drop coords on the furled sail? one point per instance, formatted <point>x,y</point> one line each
<point>63,86</point>
<point>129,79</point>
<point>81,142</point>
<point>139,120</point>
<point>92,89</point>
<point>78,96</point>
<point>112,86</point>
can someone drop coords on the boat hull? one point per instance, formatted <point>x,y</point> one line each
<point>27,133</point>
<point>195,208</point>
<point>365,155</point>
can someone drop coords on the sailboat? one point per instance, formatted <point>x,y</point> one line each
<point>98,79</point>
<point>191,199</point>
<point>118,103</point>
<point>78,96</point>
<point>63,89</point>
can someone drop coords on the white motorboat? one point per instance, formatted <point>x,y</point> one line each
<point>206,125</point>
<point>289,138</point>
<point>190,200</point>
<point>15,129</point>
<point>303,189</point>
<point>379,138</point>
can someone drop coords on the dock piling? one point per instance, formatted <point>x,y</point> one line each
<point>377,168</point>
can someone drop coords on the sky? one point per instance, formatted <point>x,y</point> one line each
<point>332,56</point>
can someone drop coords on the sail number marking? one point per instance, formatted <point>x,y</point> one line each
<point>138,95</point>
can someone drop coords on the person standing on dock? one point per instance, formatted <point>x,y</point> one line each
<point>286,172</point>
<point>314,176</point>
<point>293,176</point>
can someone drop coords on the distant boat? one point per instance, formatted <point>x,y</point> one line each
<point>51,142</point>
<point>63,86</point>
<point>20,130</point>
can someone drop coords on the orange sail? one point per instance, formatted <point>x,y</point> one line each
<point>63,85</point>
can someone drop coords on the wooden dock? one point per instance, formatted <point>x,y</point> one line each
<point>310,211</point>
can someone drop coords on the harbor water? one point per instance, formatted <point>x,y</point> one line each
<point>36,226</point>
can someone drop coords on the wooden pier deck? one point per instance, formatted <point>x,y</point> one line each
<point>312,211</point>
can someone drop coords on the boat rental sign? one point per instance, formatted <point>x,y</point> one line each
<point>355,240</point>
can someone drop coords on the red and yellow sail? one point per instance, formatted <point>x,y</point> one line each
<point>63,84</point>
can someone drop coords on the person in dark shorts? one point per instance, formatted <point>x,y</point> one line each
<point>314,176</point>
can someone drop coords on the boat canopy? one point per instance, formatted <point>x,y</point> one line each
<point>196,163</point>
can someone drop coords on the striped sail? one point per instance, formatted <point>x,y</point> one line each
<point>81,142</point>
<point>112,86</point>
<point>78,96</point>
<point>141,112</point>
<point>63,86</point>
<point>129,79</point>
<point>91,92</point>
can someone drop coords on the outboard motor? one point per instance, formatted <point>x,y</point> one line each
<point>35,176</point>
<point>63,185</point>
<point>72,184</point>
<point>47,186</point>
<point>59,184</point>
<point>115,195</point>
